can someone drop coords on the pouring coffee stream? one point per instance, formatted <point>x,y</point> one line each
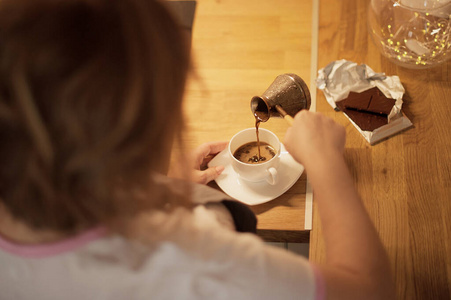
<point>260,116</point>
<point>285,97</point>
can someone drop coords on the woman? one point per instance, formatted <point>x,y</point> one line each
<point>86,91</point>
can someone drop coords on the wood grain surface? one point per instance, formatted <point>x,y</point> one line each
<point>404,181</point>
<point>239,47</point>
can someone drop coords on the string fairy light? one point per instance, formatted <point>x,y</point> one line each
<point>411,36</point>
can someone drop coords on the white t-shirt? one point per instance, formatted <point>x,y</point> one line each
<point>201,259</point>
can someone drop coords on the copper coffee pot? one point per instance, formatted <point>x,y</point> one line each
<point>286,96</point>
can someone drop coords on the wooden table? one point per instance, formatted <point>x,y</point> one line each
<point>405,181</point>
<point>241,46</point>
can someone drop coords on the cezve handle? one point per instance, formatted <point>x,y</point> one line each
<point>284,114</point>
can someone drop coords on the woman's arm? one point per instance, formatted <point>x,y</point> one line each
<point>357,265</point>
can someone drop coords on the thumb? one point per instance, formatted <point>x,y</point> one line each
<point>207,175</point>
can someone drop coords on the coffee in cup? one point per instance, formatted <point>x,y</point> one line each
<point>249,166</point>
<point>255,152</point>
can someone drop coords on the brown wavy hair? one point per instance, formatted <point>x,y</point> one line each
<point>90,101</point>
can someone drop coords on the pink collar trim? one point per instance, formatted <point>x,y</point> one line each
<point>50,249</point>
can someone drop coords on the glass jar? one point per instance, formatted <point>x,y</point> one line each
<point>412,33</point>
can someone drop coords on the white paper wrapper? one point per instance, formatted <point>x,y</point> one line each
<point>340,77</point>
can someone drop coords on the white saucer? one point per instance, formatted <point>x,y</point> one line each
<point>253,193</point>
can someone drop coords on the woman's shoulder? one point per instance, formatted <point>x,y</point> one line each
<point>201,258</point>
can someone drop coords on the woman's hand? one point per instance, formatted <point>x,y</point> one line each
<point>201,157</point>
<point>198,161</point>
<point>314,137</point>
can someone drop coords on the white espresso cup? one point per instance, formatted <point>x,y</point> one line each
<point>256,172</point>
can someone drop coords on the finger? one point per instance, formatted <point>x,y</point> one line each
<point>214,147</point>
<point>204,177</point>
<point>206,161</point>
<point>204,150</point>
<point>301,114</point>
<point>218,146</point>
